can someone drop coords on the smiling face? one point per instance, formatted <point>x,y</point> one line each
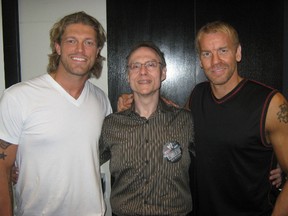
<point>146,80</point>
<point>78,50</point>
<point>219,57</point>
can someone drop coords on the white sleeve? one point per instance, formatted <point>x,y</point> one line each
<point>10,119</point>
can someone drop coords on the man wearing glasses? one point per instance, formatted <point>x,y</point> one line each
<point>149,144</point>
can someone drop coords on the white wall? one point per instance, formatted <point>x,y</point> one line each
<point>36,17</point>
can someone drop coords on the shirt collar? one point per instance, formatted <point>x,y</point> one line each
<point>162,107</point>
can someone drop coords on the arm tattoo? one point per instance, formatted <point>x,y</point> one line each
<point>2,156</point>
<point>3,145</point>
<point>283,113</point>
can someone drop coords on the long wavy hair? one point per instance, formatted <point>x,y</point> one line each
<point>56,34</point>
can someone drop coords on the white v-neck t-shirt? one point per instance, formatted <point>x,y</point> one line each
<point>57,138</point>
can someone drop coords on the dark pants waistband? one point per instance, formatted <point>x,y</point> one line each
<point>190,214</point>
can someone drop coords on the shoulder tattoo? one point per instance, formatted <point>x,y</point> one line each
<point>282,114</point>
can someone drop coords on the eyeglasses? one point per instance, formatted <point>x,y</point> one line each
<point>149,65</point>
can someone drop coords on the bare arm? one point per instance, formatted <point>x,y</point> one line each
<point>277,134</point>
<point>7,159</point>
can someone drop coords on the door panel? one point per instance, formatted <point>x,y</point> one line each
<point>172,27</point>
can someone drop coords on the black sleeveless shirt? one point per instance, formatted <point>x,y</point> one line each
<point>233,159</point>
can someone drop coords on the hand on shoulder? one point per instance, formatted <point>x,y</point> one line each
<point>124,102</point>
<point>170,102</point>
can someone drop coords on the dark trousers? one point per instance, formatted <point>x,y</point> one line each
<point>190,214</point>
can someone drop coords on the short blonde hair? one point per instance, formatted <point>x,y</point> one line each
<point>217,26</point>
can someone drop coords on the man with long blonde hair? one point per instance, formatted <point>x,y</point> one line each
<point>50,126</point>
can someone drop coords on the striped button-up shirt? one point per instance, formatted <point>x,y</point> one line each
<point>149,161</point>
